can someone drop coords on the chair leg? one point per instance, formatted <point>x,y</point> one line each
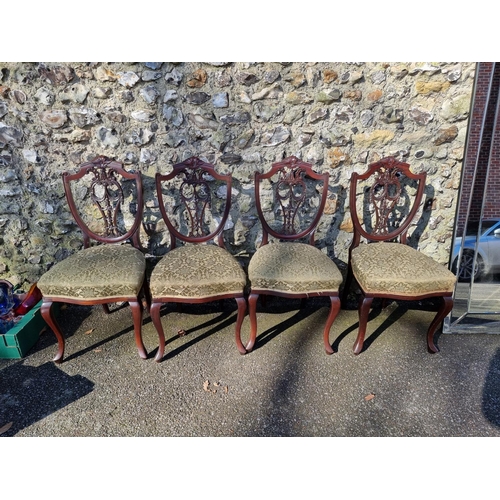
<point>48,316</point>
<point>444,309</point>
<point>252,312</point>
<point>147,295</point>
<point>334,310</point>
<point>364,310</point>
<point>106,308</point>
<point>242,309</point>
<point>136,307</point>
<point>347,286</point>
<point>155,317</point>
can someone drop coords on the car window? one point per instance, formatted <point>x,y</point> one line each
<point>473,227</point>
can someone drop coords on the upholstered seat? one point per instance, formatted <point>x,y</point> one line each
<point>293,268</point>
<point>100,272</point>
<point>194,202</point>
<point>286,266</point>
<point>197,271</point>
<point>384,268</point>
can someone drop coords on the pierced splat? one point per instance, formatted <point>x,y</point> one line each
<point>290,193</point>
<point>385,194</point>
<point>390,212</point>
<point>194,178</point>
<point>196,197</point>
<point>107,195</point>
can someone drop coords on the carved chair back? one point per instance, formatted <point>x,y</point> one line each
<point>387,196</point>
<point>116,195</point>
<point>298,197</point>
<point>194,202</point>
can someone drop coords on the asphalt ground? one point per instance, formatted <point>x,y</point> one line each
<point>287,387</point>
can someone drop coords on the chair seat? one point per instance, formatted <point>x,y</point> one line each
<point>293,267</point>
<point>393,268</point>
<point>197,271</point>
<point>99,272</point>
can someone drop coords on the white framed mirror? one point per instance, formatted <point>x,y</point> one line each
<point>475,255</point>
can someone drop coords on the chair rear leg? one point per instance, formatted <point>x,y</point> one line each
<point>334,310</point>
<point>252,312</point>
<point>155,317</point>
<point>48,316</point>
<point>242,309</point>
<point>147,295</point>
<point>136,307</point>
<point>444,309</point>
<point>347,286</point>
<point>364,311</point>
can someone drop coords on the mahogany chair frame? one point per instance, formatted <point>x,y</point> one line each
<point>387,172</point>
<point>104,171</point>
<point>193,169</point>
<point>292,171</point>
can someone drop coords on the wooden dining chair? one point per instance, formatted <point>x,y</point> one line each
<point>194,202</point>
<point>384,202</point>
<point>110,267</point>
<point>285,266</point>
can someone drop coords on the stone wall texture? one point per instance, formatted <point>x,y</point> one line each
<point>239,116</point>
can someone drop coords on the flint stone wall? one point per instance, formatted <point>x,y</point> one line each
<point>240,116</point>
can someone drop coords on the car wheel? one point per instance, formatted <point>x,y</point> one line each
<point>466,266</point>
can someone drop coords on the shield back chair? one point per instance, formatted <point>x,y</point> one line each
<point>194,202</point>
<point>383,264</point>
<point>286,266</point>
<point>106,202</point>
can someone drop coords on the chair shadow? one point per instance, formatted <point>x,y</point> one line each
<point>280,305</point>
<point>96,345</point>
<point>70,317</point>
<point>393,317</point>
<point>491,392</point>
<point>29,394</point>
<point>72,322</point>
<point>374,312</point>
<point>223,320</point>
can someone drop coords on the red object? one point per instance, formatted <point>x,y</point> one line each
<point>29,301</point>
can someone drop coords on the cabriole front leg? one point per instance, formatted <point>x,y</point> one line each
<point>49,318</point>
<point>364,311</point>
<point>334,310</point>
<point>445,308</point>
<point>242,309</point>
<point>252,313</point>
<point>137,308</point>
<point>155,317</point>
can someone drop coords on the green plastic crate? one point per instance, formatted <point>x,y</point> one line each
<point>17,341</point>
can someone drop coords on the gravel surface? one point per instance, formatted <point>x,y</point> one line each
<point>287,386</point>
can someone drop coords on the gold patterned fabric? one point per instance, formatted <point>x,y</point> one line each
<point>399,269</point>
<point>293,267</point>
<point>102,271</point>
<point>197,271</point>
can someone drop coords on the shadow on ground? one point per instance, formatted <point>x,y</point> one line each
<point>491,391</point>
<point>25,398</point>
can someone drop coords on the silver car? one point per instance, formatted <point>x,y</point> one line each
<point>488,254</point>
